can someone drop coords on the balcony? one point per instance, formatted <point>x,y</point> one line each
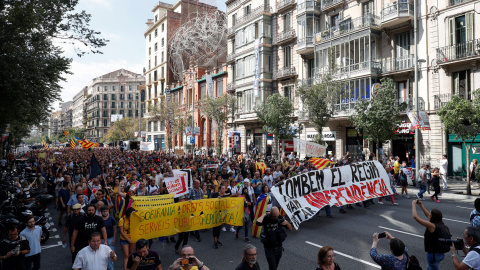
<point>348,25</point>
<point>397,65</point>
<point>457,2</point>
<point>284,73</point>
<point>440,100</point>
<point>308,6</point>
<point>366,68</point>
<point>285,37</point>
<point>331,4</point>
<point>253,15</point>
<point>396,13</point>
<point>231,87</point>
<point>458,52</point>
<point>285,4</point>
<point>306,82</point>
<point>305,45</point>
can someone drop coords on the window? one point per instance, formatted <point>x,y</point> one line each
<point>130,87</point>
<point>287,56</point>
<point>156,46</point>
<point>155,126</point>
<point>122,96</point>
<point>461,84</point>
<point>203,89</point>
<point>105,113</point>
<point>247,10</point>
<point>163,27</point>
<point>149,37</point>
<point>105,105</point>
<point>130,113</point>
<point>105,123</point>
<point>122,88</point>
<point>149,64</point>
<point>149,93</point>
<point>155,89</point>
<point>156,32</point>
<point>163,59</point>
<point>286,22</point>
<point>461,29</point>
<point>204,131</point>
<point>149,126</point>
<point>114,112</point>
<point>113,88</point>
<point>130,96</point>
<point>150,51</point>
<point>288,92</point>
<point>121,112</point>
<point>180,96</point>
<point>155,60</point>
<point>402,50</point>
<point>113,97</point>
<point>368,8</point>
<point>156,18</point>
<point>113,106</point>
<point>155,78</point>
<point>105,88</point>
<point>105,96</point>
<point>234,19</point>
<point>219,88</point>
<point>129,104</point>
<point>163,42</point>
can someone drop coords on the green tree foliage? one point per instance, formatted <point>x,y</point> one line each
<point>77,132</point>
<point>172,115</point>
<point>460,116</point>
<point>123,130</point>
<point>32,67</point>
<point>218,109</point>
<point>320,99</point>
<point>277,117</point>
<point>379,117</point>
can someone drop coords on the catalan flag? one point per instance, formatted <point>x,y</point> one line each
<point>86,144</point>
<point>72,143</point>
<point>45,145</point>
<point>320,163</point>
<point>261,166</point>
<point>65,133</point>
<point>260,209</point>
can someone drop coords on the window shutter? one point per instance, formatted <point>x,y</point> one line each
<point>469,25</point>
<point>451,29</point>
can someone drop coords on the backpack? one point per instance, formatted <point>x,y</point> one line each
<point>403,176</point>
<point>443,232</point>
<point>413,263</point>
<point>473,216</point>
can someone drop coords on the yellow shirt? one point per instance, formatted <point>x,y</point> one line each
<point>126,227</point>
<point>396,167</point>
<point>216,185</point>
<point>193,268</point>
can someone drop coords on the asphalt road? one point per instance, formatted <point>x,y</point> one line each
<point>349,234</point>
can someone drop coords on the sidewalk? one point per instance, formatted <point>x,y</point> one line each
<point>457,189</point>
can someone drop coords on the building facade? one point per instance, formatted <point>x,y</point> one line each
<point>111,97</point>
<point>65,116</point>
<point>78,115</point>
<point>167,18</point>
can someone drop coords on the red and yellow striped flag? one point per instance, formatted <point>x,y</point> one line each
<point>261,166</point>
<point>320,163</point>
<point>65,133</point>
<point>260,209</point>
<point>86,144</point>
<point>72,144</point>
<point>45,145</point>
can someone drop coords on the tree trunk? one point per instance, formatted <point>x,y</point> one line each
<point>469,190</point>
<point>275,148</point>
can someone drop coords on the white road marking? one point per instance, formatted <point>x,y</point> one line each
<point>49,218</point>
<point>51,246</point>
<point>46,214</point>
<point>459,221</point>
<point>390,229</point>
<point>469,208</point>
<point>56,236</point>
<point>346,255</point>
<point>51,223</point>
<point>54,229</point>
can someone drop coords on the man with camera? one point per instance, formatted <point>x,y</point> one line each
<point>13,250</point>
<point>273,236</point>
<point>471,237</point>
<point>144,258</point>
<point>188,261</point>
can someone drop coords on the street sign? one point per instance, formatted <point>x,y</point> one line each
<point>191,139</point>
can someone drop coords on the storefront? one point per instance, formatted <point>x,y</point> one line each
<point>403,145</point>
<point>354,143</point>
<point>457,155</point>
<point>328,137</point>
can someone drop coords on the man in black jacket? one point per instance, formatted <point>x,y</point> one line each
<point>249,260</point>
<point>272,223</point>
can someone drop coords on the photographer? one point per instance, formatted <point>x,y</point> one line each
<point>397,260</point>
<point>273,236</point>
<point>13,250</point>
<point>471,237</point>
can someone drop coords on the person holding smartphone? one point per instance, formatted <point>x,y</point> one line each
<point>188,261</point>
<point>396,260</point>
<point>144,258</point>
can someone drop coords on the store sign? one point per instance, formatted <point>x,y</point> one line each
<point>235,138</point>
<point>329,136</point>
<point>404,128</point>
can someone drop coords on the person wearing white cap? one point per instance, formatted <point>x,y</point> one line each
<point>70,224</point>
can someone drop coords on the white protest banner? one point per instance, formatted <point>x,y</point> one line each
<point>210,166</point>
<point>208,79</point>
<point>302,196</point>
<point>184,173</point>
<point>309,148</point>
<point>176,185</point>
<point>409,173</point>
<point>57,153</point>
<point>147,146</point>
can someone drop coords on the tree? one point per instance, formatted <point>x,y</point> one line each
<point>277,117</point>
<point>123,130</point>
<point>218,109</point>
<point>32,66</point>
<point>320,99</point>
<point>460,116</point>
<point>379,117</point>
<point>172,116</point>
<point>72,132</point>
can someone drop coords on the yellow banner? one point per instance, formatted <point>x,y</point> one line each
<point>141,203</point>
<point>186,216</point>
<point>42,155</point>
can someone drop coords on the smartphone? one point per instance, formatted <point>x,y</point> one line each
<point>382,235</point>
<point>187,261</point>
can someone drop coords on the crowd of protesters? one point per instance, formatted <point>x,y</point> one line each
<point>94,216</point>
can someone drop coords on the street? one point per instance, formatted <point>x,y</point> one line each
<point>349,234</point>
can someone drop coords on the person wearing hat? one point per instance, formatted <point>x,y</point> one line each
<point>70,224</point>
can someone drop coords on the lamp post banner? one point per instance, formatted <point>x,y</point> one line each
<point>302,196</point>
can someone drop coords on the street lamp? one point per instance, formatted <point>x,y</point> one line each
<point>193,108</point>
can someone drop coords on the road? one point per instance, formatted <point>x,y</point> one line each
<point>349,234</point>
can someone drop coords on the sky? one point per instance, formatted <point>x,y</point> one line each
<point>122,22</point>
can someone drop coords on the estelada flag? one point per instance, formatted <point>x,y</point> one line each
<point>45,145</point>
<point>72,144</point>
<point>261,166</point>
<point>320,163</point>
<point>260,209</point>
<point>86,144</point>
<point>65,133</point>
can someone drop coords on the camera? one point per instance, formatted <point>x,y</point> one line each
<point>458,243</point>
<point>382,235</point>
<point>187,261</point>
<point>14,251</point>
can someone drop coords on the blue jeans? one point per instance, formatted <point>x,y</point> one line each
<point>328,210</point>
<point>109,241</point>
<point>423,189</point>
<point>433,260</point>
